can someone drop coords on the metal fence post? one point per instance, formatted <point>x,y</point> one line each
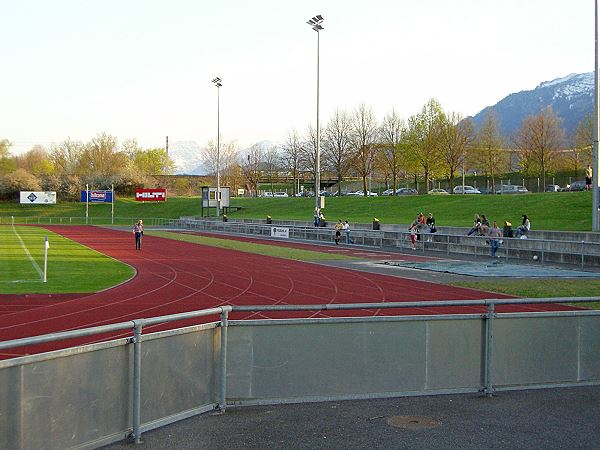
<point>223,368</point>
<point>137,381</point>
<point>489,372</point>
<point>582,250</point>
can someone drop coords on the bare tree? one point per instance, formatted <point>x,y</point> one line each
<point>392,132</point>
<point>309,151</point>
<point>457,137</point>
<point>540,138</point>
<point>488,152</point>
<point>227,160</point>
<point>271,163</point>
<point>337,145</point>
<point>291,156</point>
<point>251,164</point>
<point>66,157</point>
<point>582,144</point>
<point>365,130</point>
<point>425,131</point>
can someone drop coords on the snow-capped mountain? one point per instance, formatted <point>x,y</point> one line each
<point>187,158</point>
<point>571,98</point>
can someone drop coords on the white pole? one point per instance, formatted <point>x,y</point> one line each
<point>318,155</point>
<point>87,204</point>
<point>596,167</point>
<point>46,245</point>
<point>112,206</point>
<point>218,151</point>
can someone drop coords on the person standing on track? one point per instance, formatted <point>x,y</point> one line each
<point>138,232</point>
<point>339,226</point>
<point>347,232</point>
<point>494,234</point>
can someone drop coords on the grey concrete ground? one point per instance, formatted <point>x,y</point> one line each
<point>566,418</point>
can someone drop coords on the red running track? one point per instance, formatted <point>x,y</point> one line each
<point>174,276</point>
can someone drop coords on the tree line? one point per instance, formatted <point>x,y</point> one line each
<point>432,144</point>
<point>68,166</point>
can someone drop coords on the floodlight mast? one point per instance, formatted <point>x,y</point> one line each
<point>218,83</point>
<point>315,24</point>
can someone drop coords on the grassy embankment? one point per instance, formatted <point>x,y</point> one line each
<point>547,211</point>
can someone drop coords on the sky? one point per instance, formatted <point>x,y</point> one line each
<point>143,69</point>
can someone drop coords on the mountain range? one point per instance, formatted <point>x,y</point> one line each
<point>571,98</point>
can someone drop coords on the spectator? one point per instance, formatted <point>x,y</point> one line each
<point>322,222</point>
<point>316,216</point>
<point>431,225</point>
<point>347,232</point>
<point>413,234</point>
<point>476,225</point>
<point>588,177</point>
<point>507,231</point>
<point>524,228</point>
<point>494,233</point>
<point>485,226</point>
<point>376,224</point>
<point>269,221</point>
<point>339,226</point>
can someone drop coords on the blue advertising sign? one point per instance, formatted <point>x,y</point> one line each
<point>97,196</point>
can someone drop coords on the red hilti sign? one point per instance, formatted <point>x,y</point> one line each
<point>151,195</point>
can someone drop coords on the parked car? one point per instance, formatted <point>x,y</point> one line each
<point>406,191</point>
<point>511,189</point>
<point>438,192</point>
<point>466,190</point>
<point>553,188</point>
<point>266,194</point>
<point>280,194</point>
<point>574,186</point>
<point>354,193</point>
<point>388,192</point>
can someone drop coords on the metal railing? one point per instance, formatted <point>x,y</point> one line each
<point>575,253</point>
<point>488,315</point>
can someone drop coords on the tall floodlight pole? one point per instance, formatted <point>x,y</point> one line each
<point>595,184</point>
<point>218,83</point>
<point>315,23</point>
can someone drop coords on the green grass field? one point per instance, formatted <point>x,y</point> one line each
<point>72,268</point>
<point>548,211</point>
<point>250,247</point>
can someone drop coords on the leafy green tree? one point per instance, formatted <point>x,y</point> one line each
<point>425,138</point>
<point>7,162</point>
<point>457,137</point>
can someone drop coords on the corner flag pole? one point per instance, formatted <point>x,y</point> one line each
<point>112,204</point>
<point>87,203</point>
<point>46,245</point>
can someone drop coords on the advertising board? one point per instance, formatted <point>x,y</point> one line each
<point>280,232</point>
<point>38,197</point>
<point>150,195</point>
<point>97,196</point>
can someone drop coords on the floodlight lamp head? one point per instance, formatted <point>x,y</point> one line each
<point>217,82</point>
<point>316,22</point>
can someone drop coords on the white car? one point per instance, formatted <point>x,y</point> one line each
<point>438,192</point>
<point>467,190</point>
<point>280,194</point>
<point>266,194</point>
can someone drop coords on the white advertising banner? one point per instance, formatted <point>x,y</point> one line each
<point>35,197</point>
<point>280,232</point>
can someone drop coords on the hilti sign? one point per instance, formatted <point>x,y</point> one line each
<point>151,195</point>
